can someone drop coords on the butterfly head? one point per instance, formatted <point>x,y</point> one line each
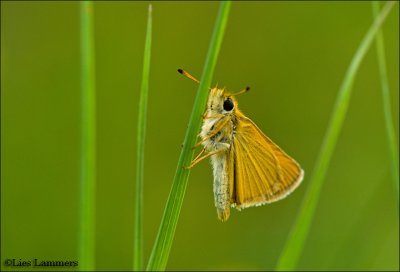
<point>221,102</point>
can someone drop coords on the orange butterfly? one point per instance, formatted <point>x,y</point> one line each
<point>249,169</point>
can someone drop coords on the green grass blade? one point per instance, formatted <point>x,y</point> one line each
<point>162,246</point>
<point>141,133</point>
<point>294,245</point>
<point>387,111</point>
<point>88,141</point>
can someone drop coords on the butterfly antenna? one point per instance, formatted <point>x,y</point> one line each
<point>186,74</point>
<point>245,90</point>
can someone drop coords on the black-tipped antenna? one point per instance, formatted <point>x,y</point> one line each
<point>183,72</point>
<point>245,90</point>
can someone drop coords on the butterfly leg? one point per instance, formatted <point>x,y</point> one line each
<point>217,129</point>
<point>212,116</point>
<point>201,153</point>
<point>199,159</point>
<point>204,117</point>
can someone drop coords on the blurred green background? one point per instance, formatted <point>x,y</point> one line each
<point>293,55</point>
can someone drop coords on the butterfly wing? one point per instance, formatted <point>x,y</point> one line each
<point>263,172</point>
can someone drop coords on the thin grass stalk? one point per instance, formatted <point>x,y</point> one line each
<point>88,140</point>
<point>141,134</point>
<point>162,246</point>
<point>295,243</point>
<point>387,109</point>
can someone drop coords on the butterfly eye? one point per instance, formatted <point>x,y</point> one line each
<point>228,104</point>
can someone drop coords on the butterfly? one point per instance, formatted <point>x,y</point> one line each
<point>249,169</point>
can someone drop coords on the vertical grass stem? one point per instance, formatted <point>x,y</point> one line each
<point>88,140</point>
<point>141,133</point>
<point>387,109</point>
<point>162,246</point>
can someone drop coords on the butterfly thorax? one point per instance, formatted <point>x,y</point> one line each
<point>219,121</point>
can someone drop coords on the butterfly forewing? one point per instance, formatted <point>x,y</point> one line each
<point>263,172</point>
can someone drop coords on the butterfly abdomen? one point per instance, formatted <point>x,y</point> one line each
<point>221,183</point>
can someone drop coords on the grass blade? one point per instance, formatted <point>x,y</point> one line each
<point>294,245</point>
<point>387,111</point>
<point>162,246</point>
<point>88,141</point>
<point>141,133</point>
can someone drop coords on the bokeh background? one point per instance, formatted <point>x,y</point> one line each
<point>293,55</point>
